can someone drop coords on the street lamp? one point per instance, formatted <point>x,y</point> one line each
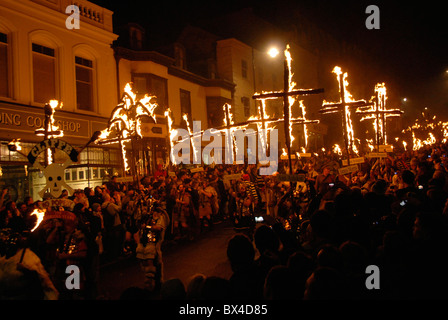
<point>273,52</point>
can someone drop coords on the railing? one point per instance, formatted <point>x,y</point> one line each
<point>89,12</point>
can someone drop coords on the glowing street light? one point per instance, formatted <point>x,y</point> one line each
<point>273,52</point>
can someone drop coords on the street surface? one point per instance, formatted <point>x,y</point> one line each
<point>206,255</point>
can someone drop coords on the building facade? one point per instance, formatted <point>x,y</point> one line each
<point>44,57</point>
<point>41,59</point>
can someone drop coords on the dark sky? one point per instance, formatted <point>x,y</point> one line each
<point>411,42</point>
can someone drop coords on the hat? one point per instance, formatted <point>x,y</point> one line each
<point>246,177</point>
<point>95,206</point>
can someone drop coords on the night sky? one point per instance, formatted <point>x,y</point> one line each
<point>411,44</point>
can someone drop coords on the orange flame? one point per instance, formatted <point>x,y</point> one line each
<point>40,217</point>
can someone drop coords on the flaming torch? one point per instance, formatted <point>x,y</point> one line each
<point>40,217</point>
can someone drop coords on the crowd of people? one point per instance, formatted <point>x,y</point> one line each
<point>309,235</point>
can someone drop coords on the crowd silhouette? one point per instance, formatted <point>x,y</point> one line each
<point>309,238</point>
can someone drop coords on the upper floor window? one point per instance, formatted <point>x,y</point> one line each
<point>4,70</point>
<point>84,84</point>
<point>153,85</point>
<point>246,104</point>
<point>244,69</point>
<point>44,73</point>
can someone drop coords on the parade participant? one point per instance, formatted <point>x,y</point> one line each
<point>114,232</point>
<point>324,181</point>
<point>182,212</point>
<point>72,250</point>
<point>149,248</point>
<point>160,172</point>
<point>244,211</point>
<point>207,196</point>
<point>22,274</point>
<point>191,186</point>
<point>131,213</point>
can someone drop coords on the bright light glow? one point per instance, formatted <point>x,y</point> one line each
<point>273,52</point>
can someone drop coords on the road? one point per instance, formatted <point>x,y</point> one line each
<point>206,255</point>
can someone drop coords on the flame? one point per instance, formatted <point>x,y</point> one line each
<point>428,131</point>
<point>348,98</point>
<point>370,144</point>
<point>55,104</point>
<point>291,86</point>
<point>16,143</point>
<point>292,99</point>
<point>40,217</point>
<point>337,149</point>
<point>190,131</point>
<point>53,128</point>
<point>172,133</point>
<point>231,140</point>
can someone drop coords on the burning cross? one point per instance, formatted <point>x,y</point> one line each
<point>126,121</point>
<point>287,94</point>
<point>50,130</point>
<point>344,106</point>
<point>379,113</point>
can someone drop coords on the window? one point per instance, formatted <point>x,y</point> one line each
<point>244,68</point>
<point>84,84</point>
<point>185,102</point>
<point>246,103</point>
<point>4,83</point>
<point>44,73</point>
<point>147,83</point>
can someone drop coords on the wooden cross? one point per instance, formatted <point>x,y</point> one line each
<point>286,114</point>
<point>379,112</point>
<point>47,131</point>
<point>343,106</point>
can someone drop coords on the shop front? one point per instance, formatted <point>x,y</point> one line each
<point>18,124</point>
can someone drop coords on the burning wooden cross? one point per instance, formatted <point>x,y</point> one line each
<point>288,95</point>
<point>49,129</point>
<point>343,106</point>
<point>379,113</point>
<point>126,122</point>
